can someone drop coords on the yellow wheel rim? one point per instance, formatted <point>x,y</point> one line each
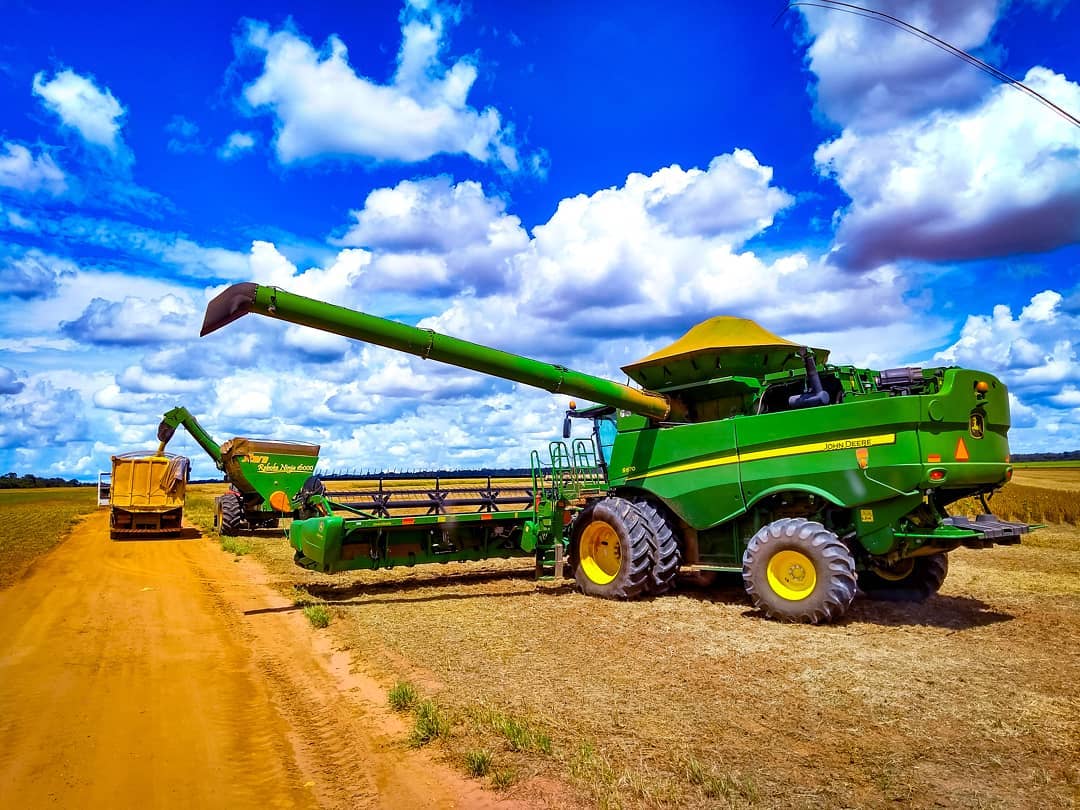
<point>791,575</point>
<point>898,572</point>
<point>599,553</point>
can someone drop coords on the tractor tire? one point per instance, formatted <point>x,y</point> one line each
<point>664,552</point>
<point>613,550</point>
<point>913,580</point>
<point>796,570</point>
<point>232,515</point>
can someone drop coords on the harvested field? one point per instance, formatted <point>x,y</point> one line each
<point>970,699</point>
<point>34,521</point>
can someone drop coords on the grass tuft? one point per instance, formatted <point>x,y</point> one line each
<point>318,615</point>
<point>236,545</point>
<point>503,778</point>
<point>478,762</point>
<point>403,696</point>
<point>429,723</point>
<point>519,734</point>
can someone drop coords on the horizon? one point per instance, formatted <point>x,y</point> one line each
<point>580,185</point>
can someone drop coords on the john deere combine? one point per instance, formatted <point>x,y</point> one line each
<point>744,452</point>
<point>264,475</point>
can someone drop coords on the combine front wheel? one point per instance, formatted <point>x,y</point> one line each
<point>910,580</point>
<point>613,550</point>
<point>796,570</point>
<point>232,515</point>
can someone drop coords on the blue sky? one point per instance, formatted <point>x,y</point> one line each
<point>579,184</point>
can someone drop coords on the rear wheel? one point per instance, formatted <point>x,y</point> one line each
<point>232,515</point>
<point>613,550</point>
<point>910,580</point>
<point>796,570</point>
<point>665,557</point>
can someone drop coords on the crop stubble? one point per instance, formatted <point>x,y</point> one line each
<point>969,699</point>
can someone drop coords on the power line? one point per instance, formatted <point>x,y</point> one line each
<point>926,36</point>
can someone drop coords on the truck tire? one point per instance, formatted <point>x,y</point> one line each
<point>913,580</point>
<point>232,515</point>
<point>796,570</point>
<point>665,557</point>
<point>613,551</point>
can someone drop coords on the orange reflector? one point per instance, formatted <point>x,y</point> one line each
<point>408,521</point>
<point>280,501</point>
<point>862,455</point>
<point>1008,474</point>
<point>961,450</point>
<point>486,516</point>
<point>933,458</point>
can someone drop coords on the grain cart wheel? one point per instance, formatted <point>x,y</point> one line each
<point>796,570</point>
<point>232,515</point>
<point>665,556</point>
<point>613,549</point>
<point>910,580</point>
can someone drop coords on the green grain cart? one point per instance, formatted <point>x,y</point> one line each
<point>743,452</point>
<point>264,475</point>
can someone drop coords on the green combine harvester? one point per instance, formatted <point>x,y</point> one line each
<point>743,452</point>
<point>264,475</point>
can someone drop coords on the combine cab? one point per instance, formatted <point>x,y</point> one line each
<point>742,452</point>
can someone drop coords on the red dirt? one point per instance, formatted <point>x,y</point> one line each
<point>162,673</point>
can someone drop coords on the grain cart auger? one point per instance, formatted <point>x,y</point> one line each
<point>264,475</point>
<point>744,452</point>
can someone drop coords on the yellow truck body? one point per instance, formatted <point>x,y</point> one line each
<point>147,493</point>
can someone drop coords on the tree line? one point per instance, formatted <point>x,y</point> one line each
<point>12,481</point>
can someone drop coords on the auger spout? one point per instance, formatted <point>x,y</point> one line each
<point>240,299</point>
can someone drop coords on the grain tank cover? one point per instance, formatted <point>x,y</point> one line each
<point>723,346</point>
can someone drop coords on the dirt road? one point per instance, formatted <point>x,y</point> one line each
<point>164,673</point>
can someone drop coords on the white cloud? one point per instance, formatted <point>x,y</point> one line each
<point>646,258</point>
<point>35,344</point>
<point>18,222</point>
<point>1034,352</point>
<point>134,321</point>
<point>34,274</point>
<point>236,145</point>
<point>20,170</point>
<point>999,178</point>
<point>10,382</point>
<point>733,199</point>
<point>430,235</point>
<point>1069,397</point>
<point>871,75</point>
<point>40,415</point>
<point>93,113</point>
<point>323,108</point>
<point>138,380</point>
<point>184,136</point>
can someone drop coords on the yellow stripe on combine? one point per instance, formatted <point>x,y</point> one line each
<point>776,452</point>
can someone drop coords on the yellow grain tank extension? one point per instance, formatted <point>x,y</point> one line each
<point>147,495</point>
